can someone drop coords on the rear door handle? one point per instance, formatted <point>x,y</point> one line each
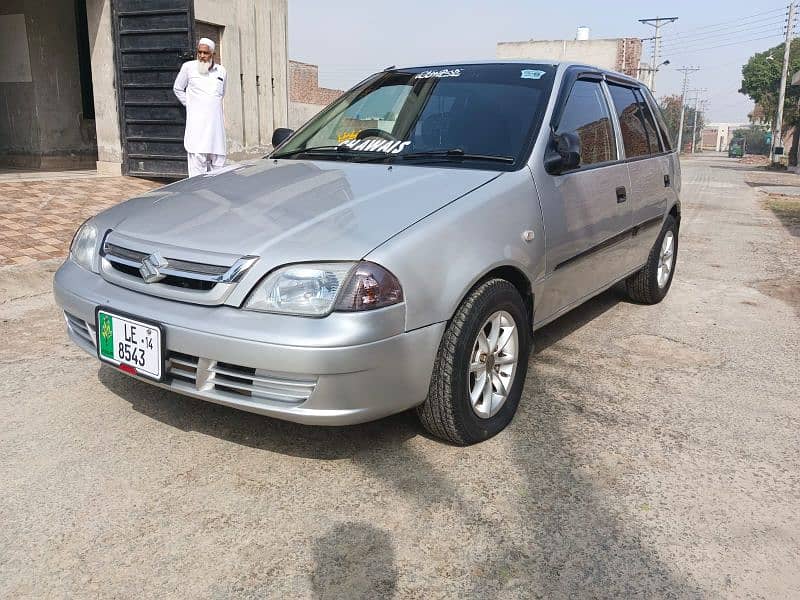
<point>667,182</point>
<point>622,195</point>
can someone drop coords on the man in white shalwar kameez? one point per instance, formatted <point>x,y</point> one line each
<point>200,87</point>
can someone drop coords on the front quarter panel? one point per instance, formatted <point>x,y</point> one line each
<point>440,258</point>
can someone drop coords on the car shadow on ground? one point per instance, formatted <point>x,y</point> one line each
<point>568,536</point>
<point>326,443</point>
<point>578,317</point>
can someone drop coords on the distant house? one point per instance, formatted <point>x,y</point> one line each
<point>306,97</point>
<point>618,54</point>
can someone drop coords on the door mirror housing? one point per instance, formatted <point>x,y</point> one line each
<point>564,153</point>
<point>280,135</point>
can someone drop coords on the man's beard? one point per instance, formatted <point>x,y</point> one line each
<point>203,67</point>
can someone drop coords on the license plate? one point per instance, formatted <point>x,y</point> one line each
<point>132,345</point>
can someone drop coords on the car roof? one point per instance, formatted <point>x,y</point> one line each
<point>561,64</point>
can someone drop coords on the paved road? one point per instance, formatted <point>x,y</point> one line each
<point>655,454</point>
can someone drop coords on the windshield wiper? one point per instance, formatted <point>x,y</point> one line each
<point>454,154</point>
<point>313,149</point>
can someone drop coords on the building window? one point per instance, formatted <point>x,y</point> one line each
<point>638,128</point>
<point>84,59</point>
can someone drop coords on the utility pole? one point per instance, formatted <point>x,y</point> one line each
<point>657,23</point>
<point>776,138</point>
<point>697,101</point>
<point>685,71</point>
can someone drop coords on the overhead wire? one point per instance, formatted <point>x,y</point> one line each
<point>738,19</point>
<point>767,37</point>
<point>742,22</point>
<point>743,36</point>
<point>671,43</point>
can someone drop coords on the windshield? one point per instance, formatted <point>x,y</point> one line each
<point>469,116</point>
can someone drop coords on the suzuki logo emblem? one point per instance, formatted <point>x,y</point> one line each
<point>150,268</point>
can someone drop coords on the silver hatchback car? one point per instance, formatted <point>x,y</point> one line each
<point>398,251</point>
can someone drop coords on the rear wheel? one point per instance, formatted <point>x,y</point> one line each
<point>481,366</point>
<point>651,283</point>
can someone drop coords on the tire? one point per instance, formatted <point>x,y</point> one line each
<point>643,286</point>
<point>448,411</point>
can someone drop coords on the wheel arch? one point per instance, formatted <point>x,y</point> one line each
<point>675,211</point>
<point>515,277</point>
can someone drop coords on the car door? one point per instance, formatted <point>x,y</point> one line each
<point>649,168</point>
<point>585,210</point>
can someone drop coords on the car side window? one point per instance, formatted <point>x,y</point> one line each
<point>586,114</point>
<point>635,135</point>
<point>649,124</point>
<point>655,110</point>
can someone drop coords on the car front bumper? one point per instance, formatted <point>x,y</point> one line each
<point>342,369</point>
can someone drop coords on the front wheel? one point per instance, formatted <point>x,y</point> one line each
<point>651,283</point>
<point>480,367</point>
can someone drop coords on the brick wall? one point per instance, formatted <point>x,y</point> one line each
<point>629,54</point>
<point>304,85</point>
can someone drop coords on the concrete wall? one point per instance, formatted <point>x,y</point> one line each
<point>254,47</point>
<point>601,53</point>
<point>41,121</point>
<point>101,47</point>
<point>301,112</point>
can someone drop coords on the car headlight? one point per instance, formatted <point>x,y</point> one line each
<point>84,245</point>
<point>317,289</point>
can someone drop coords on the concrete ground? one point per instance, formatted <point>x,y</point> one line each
<point>654,454</point>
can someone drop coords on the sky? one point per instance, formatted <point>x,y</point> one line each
<point>350,39</point>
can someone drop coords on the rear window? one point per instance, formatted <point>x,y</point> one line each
<point>655,109</point>
<point>639,135</point>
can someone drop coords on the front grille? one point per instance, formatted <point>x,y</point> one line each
<point>182,366</point>
<point>80,328</point>
<point>237,380</point>
<point>176,272</point>
<point>113,251</point>
<point>182,282</point>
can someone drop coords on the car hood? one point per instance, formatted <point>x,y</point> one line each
<point>292,211</point>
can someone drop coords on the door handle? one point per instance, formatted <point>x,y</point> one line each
<point>667,182</point>
<point>622,195</point>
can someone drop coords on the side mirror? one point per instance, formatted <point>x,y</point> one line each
<point>280,135</point>
<point>564,153</point>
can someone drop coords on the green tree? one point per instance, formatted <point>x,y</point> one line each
<point>755,140</point>
<point>761,80</point>
<point>671,109</point>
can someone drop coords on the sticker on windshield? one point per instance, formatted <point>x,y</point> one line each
<point>379,145</point>
<point>347,135</point>
<point>439,74</point>
<point>531,74</point>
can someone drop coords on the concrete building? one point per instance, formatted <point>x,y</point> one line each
<point>89,82</point>
<point>618,54</point>
<point>306,97</point>
<point>716,137</point>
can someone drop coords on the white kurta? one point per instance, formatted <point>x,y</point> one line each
<point>202,96</point>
